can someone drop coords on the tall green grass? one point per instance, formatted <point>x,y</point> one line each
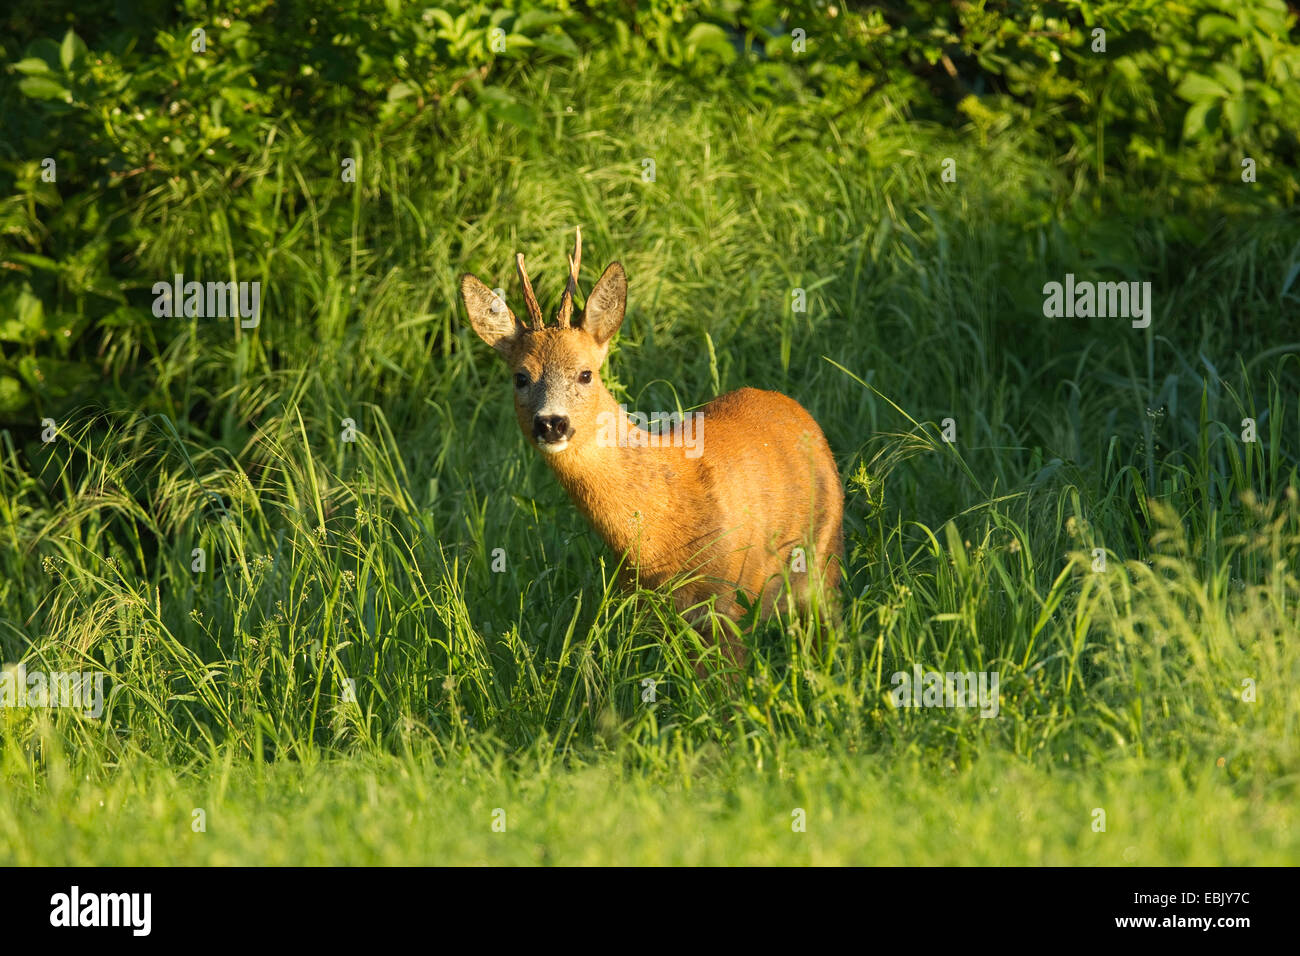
<point>329,562</point>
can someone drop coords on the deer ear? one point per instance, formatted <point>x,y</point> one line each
<point>606,304</point>
<point>489,315</point>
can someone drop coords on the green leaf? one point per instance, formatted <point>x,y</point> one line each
<point>1237,112</point>
<point>441,16</point>
<point>47,50</point>
<point>534,21</point>
<point>64,328</point>
<point>515,115</point>
<point>502,106</point>
<point>556,43</point>
<point>1196,86</point>
<point>13,397</point>
<point>43,88</point>
<point>1229,77</point>
<point>709,38</point>
<point>1194,123</point>
<point>54,377</point>
<point>516,44</point>
<point>1215,25</point>
<point>71,50</point>
<point>32,65</point>
<point>35,261</point>
<point>25,319</point>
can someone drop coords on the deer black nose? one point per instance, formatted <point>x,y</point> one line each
<point>551,428</point>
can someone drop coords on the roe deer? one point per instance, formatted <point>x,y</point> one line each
<point>728,519</point>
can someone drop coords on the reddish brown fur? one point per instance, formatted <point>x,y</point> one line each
<point>726,521</point>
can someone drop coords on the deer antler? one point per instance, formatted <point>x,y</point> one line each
<point>530,299</point>
<point>566,300</point>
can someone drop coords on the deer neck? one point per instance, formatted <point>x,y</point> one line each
<point>635,487</point>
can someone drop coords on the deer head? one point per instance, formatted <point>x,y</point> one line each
<point>555,369</point>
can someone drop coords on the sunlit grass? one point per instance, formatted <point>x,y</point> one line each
<point>348,654</point>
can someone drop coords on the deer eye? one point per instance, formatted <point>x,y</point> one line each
<point>521,380</point>
<point>585,377</point>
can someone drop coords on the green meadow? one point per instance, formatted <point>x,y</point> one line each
<point>395,641</point>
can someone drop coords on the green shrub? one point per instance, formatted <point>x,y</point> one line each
<point>144,129</point>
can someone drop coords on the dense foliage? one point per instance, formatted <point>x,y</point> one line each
<point>318,541</point>
<point>139,123</point>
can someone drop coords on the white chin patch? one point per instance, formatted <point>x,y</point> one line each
<point>552,448</point>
